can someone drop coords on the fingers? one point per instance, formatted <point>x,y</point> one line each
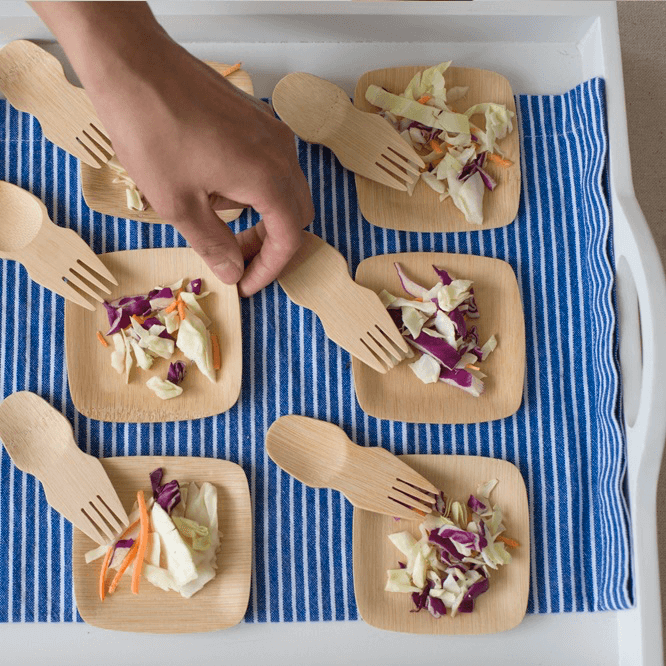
<point>211,239</point>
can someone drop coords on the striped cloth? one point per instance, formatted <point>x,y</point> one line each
<point>567,438</point>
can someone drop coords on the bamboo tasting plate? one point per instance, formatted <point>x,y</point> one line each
<point>221,603</point>
<point>501,608</point>
<point>99,392</point>
<point>393,209</point>
<point>399,395</point>
<point>104,196</point>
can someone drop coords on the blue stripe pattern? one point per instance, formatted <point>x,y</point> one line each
<point>567,438</point>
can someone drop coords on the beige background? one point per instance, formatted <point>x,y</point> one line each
<point>643,39</point>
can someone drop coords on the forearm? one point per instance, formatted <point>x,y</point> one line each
<point>103,38</point>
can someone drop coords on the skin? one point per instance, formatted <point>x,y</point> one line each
<point>190,140</point>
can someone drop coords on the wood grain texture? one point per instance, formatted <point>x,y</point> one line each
<point>423,210</point>
<point>99,392</point>
<point>104,196</point>
<point>48,252</point>
<point>34,81</point>
<point>399,395</point>
<point>501,608</point>
<point>321,455</point>
<point>318,111</point>
<point>40,441</point>
<point>221,603</point>
<point>317,277</point>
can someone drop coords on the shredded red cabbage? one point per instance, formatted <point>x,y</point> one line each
<point>168,495</point>
<point>176,372</point>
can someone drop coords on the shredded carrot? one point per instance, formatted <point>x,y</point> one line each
<point>176,294</point>
<point>418,298</point>
<point>509,542</point>
<point>102,574</point>
<point>143,541</point>
<point>436,146</point>
<point>499,160</point>
<point>100,337</point>
<point>129,558</point>
<point>138,320</point>
<point>171,308</point>
<point>216,351</point>
<point>232,69</point>
<point>437,161</point>
<point>424,99</point>
<point>474,367</point>
<point>181,309</point>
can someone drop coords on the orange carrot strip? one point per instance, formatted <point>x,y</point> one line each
<point>424,99</point>
<point>499,160</point>
<point>102,575</point>
<point>124,565</point>
<point>509,542</point>
<point>100,337</point>
<point>417,298</point>
<point>138,320</point>
<point>436,146</point>
<point>474,367</point>
<point>437,161</point>
<point>181,309</point>
<point>216,351</point>
<point>232,69</point>
<point>143,542</point>
<point>176,294</point>
<point>171,308</point>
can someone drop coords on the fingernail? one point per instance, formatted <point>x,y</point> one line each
<point>228,271</point>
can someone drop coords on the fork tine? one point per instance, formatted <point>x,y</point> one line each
<point>414,492</point>
<point>69,293</point>
<point>397,170</point>
<point>115,523</point>
<point>365,354</point>
<point>95,160</point>
<point>102,525</point>
<point>79,283</point>
<point>380,175</point>
<point>94,263</point>
<point>396,339</point>
<point>106,142</point>
<point>95,532</point>
<point>400,147</point>
<point>403,161</point>
<point>114,506</point>
<point>413,509</point>
<point>378,350</point>
<point>91,277</point>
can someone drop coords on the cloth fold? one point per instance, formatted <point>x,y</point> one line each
<point>567,437</point>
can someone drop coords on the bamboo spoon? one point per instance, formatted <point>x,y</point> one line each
<point>34,81</point>
<point>39,440</point>
<point>317,278</point>
<point>320,112</point>
<point>57,258</point>
<point>320,455</point>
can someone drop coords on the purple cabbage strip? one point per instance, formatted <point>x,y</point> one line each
<point>435,606</point>
<point>438,348</point>
<point>195,286</point>
<point>443,276</point>
<point>466,605</point>
<point>459,322</point>
<point>477,589</point>
<point>176,372</point>
<point>460,376</point>
<point>476,505</point>
<point>154,321</point>
<point>168,495</point>
<point>156,479</point>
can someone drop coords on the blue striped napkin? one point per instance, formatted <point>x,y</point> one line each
<point>567,438</point>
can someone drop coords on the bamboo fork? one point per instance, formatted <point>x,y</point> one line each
<point>39,440</point>
<point>320,455</point>
<point>320,112</point>
<point>317,278</point>
<point>34,81</point>
<point>57,258</point>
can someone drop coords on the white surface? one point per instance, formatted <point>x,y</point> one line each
<point>542,47</point>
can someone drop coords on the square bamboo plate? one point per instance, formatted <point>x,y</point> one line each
<point>221,603</point>
<point>423,211</point>
<point>501,608</point>
<point>399,395</point>
<point>104,196</point>
<point>99,392</point>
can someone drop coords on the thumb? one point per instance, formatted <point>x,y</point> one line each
<point>212,240</point>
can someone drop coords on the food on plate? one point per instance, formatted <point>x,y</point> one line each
<point>135,200</point>
<point>455,149</point>
<point>154,325</point>
<point>435,321</point>
<point>450,565</point>
<point>172,540</point>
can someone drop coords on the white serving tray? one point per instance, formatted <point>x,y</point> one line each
<point>542,47</point>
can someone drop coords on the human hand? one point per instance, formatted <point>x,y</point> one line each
<point>192,142</point>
